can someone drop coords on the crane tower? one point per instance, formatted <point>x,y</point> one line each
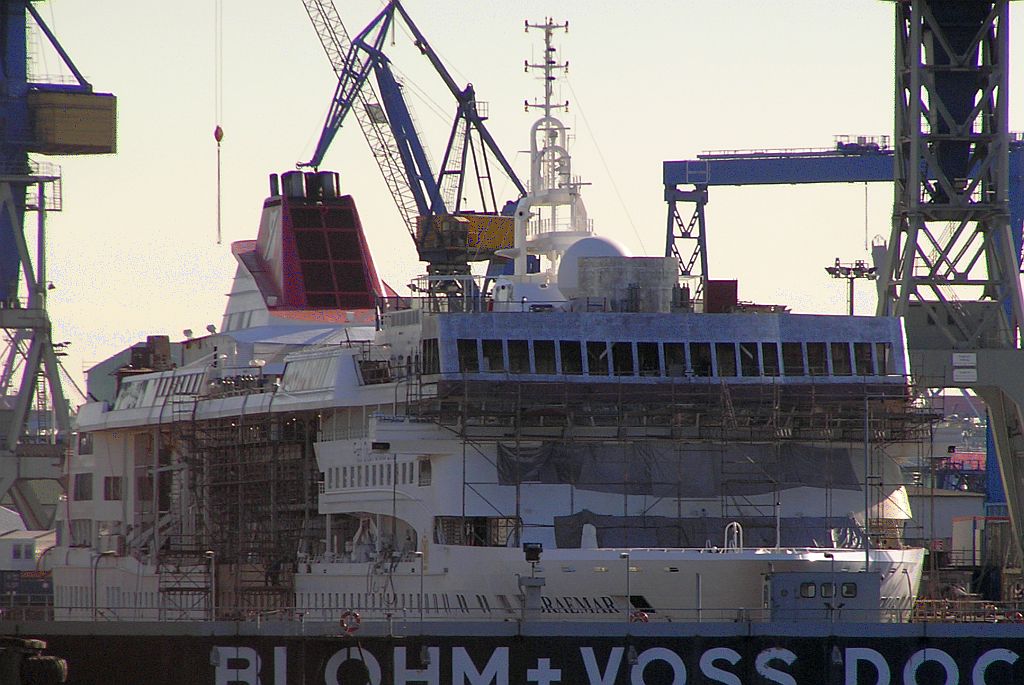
<point>48,119</point>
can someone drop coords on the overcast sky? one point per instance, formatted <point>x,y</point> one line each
<point>134,251</point>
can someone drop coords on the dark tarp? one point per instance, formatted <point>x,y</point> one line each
<point>677,470</point>
<point>706,531</point>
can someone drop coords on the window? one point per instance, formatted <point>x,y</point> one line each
<point>83,487</point>
<point>793,359</point>
<point>431,360</point>
<point>112,488</point>
<point>494,357</point>
<point>748,359</point>
<point>622,358</point>
<point>817,364</point>
<point>16,551</point>
<point>882,352</point>
<point>675,359</point>
<point>647,359</point>
<point>424,465</point>
<point>85,443</point>
<point>544,356</point>
<point>725,355</point>
<point>848,590</point>
<point>468,360</point>
<point>344,476</point>
<point>597,358</point>
<point>770,359</point>
<point>828,590</point>
<point>572,358</point>
<point>808,590</point>
<point>862,358</point>
<point>841,362</point>
<point>700,358</point>
<point>518,356</point>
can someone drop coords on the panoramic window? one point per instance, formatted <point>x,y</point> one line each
<point>862,359</point>
<point>793,359</point>
<point>647,358</point>
<point>841,362</point>
<point>468,360</point>
<point>725,355</point>
<point>622,358</point>
<point>572,358</point>
<point>494,357</point>
<point>675,359</point>
<point>817,362</point>
<point>882,364</point>
<point>770,359</point>
<point>700,357</point>
<point>518,356</point>
<point>597,358</point>
<point>544,356</point>
<point>748,359</point>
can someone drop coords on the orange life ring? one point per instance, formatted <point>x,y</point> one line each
<point>1015,616</point>
<point>350,621</point>
<point>639,617</point>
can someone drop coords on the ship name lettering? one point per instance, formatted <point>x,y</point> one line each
<point>572,604</point>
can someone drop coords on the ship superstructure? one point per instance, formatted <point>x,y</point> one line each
<point>575,440</point>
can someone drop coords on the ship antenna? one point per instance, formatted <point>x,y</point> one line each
<point>549,66</point>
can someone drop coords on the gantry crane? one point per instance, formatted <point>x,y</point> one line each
<point>952,268</point>
<point>432,207</point>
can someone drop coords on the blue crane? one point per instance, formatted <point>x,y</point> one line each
<point>389,125</point>
<point>852,159</point>
<point>48,119</point>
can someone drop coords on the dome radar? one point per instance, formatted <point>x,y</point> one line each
<point>568,267</point>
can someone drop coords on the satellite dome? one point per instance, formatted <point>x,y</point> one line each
<point>592,246</point>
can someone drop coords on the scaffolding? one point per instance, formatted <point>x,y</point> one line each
<point>242,500</point>
<point>688,416</point>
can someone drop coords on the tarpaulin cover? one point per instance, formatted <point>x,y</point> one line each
<point>706,531</point>
<point>677,470</point>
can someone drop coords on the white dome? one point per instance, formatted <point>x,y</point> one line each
<point>593,246</point>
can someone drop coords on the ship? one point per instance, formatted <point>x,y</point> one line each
<point>572,467</point>
<point>571,435</point>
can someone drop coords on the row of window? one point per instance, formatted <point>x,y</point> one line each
<point>23,551</point>
<point>187,384</point>
<point>379,475</point>
<point>826,590</point>
<point>722,359</point>
<point>81,490</point>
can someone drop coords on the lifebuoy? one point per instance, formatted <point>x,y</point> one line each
<point>1015,616</point>
<point>639,617</point>
<point>350,621</point>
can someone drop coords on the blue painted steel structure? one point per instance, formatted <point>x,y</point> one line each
<point>16,136</point>
<point>851,164</point>
<point>367,55</point>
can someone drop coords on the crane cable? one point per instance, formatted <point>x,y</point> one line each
<point>218,94</point>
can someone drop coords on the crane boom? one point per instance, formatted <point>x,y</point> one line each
<point>368,112</point>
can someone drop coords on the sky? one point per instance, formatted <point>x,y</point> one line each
<point>134,251</point>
